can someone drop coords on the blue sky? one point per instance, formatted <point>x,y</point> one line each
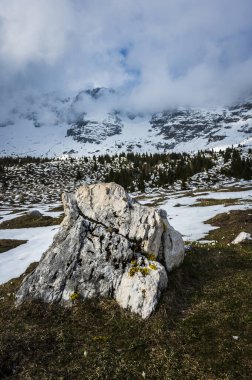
<point>156,54</point>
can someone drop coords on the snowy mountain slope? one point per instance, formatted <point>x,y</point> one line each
<point>52,126</point>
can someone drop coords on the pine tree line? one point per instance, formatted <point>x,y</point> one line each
<point>240,168</point>
<point>159,169</point>
<point>134,171</point>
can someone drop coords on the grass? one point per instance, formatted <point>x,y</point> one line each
<point>234,189</point>
<point>27,221</point>
<point>192,193</point>
<point>203,202</point>
<point>205,191</point>
<point>152,201</point>
<point>231,224</point>
<point>7,244</point>
<point>190,336</point>
<point>57,208</point>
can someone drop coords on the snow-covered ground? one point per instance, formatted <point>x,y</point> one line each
<point>186,219</point>
<point>6,215</point>
<point>190,220</point>
<point>15,261</point>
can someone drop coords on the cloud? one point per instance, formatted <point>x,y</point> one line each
<point>33,31</point>
<point>156,54</point>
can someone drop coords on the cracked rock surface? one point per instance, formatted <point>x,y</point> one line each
<point>108,245</point>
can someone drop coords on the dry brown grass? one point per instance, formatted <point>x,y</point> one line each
<point>28,221</point>
<point>190,336</point>
<point>7,244</point>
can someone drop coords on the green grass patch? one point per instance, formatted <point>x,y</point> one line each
<point>230,225</point>
<point>205,191</point>
<point>203,202</point>
<point>234,189</point>
<point>192,334</point>
<point>192,193</point>
<point>7,244</point>
<point>57,208</point>
<point>27,221</point>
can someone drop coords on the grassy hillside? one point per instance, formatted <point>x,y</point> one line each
<point>201,329</point>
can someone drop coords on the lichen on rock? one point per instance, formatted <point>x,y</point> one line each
<point>105,233</point>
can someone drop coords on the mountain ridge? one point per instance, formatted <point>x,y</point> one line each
<point>86,124</point>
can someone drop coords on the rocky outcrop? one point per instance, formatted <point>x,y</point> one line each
<point>108,245</point>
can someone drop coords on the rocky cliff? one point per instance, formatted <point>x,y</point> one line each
<point>68,126</point>
<point>108,245</point>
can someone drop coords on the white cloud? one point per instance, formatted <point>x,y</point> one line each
<point>159,54</point>
<point>33,31</point>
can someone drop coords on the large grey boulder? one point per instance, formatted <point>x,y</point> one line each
<point>108,245</point>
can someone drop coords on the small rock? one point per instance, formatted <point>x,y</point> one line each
<point>243,236</point>
<point>36,213</point>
